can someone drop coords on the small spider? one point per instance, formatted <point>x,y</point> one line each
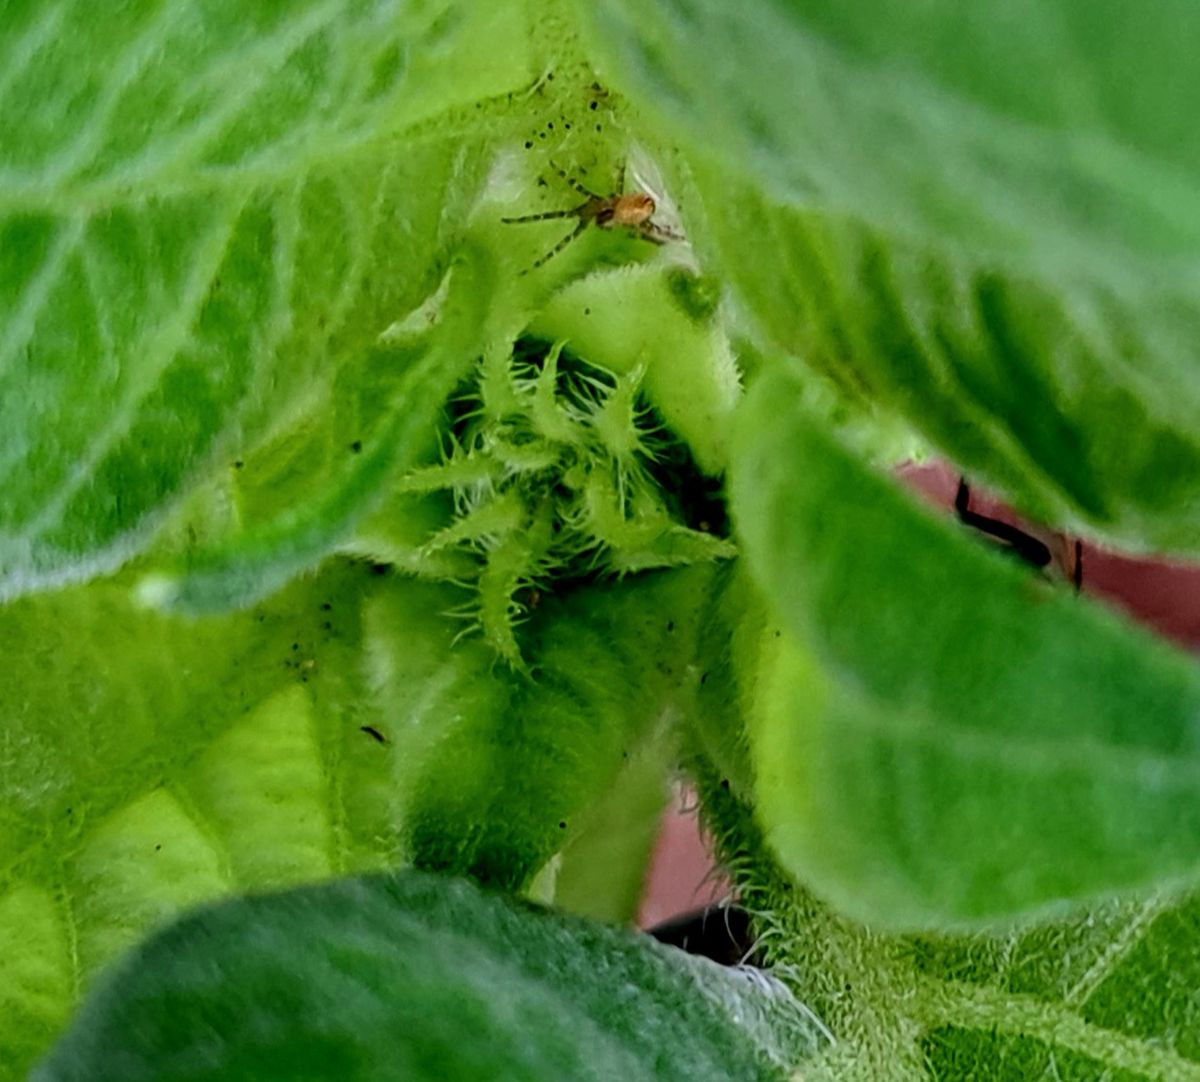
<point>632,211</point>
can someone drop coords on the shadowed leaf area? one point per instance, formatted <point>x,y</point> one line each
<point>416,977</point>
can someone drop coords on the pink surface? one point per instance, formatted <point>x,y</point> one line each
<point>1162,593</point>
<point>682,873</point>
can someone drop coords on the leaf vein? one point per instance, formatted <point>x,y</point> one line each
<point>167,338</point>
<point>977,1007</point>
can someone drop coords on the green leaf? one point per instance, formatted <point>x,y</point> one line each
<point>664,321</point>
<point>982,219</point>
<point>419,978</point>
<point>493,765</point>
<point>380,415</point>
<point>150,761</point>
<point>1108,994</point>
<point>944,737</point>
<point>601,871</point>
<point>202,207</point>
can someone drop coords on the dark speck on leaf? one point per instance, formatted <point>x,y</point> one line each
<point>373,733</point>
<point>587,311</point>
<point>380,569</point>
<point>326,606</point>
<point>158,847</point>
<point>594,106</point>
<point>598,128</point>
<point>703,678</point>
<point>670,625</point>
<point>295,646</point>
<point>327,626</point>
<point>238,464</point>
<point>356,446</point>
<point>724,783</point>
<point>528,144</point>
<point>562,825</point>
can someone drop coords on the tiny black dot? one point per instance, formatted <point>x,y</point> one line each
<point>380,569</point>
<point>562,825</point>
<point>356,446</point>
<point>528,144</point>
<point>778,633</point>
<point>158,847</point>
<point>724,783</point>
<point>587,311</point>
<point>598,128</point>
<point>326,606</point>
<point>550,125</point>
<point>703,678</point>
<point>594,106</point>
<point>549,76</point>
<point>670,625</point>
<point>567,125</point>
<point>541,135</point>
<point>238,464</point>
<point>295,646</point>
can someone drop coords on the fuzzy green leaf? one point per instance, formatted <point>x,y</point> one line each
<point>1110,993</point>
<point>947,738</point>
<point>664,321</point>
<point>493,766</point>
<point>202,207</point>
<point>420,978</point>
<point>983,217</point>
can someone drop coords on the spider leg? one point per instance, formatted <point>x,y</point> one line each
<point>545,216</point>
<point>658,234</point>
<point>1024,546</point>
<point>558,247</point>
<point>962,498</point>
<point>572,181</point>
